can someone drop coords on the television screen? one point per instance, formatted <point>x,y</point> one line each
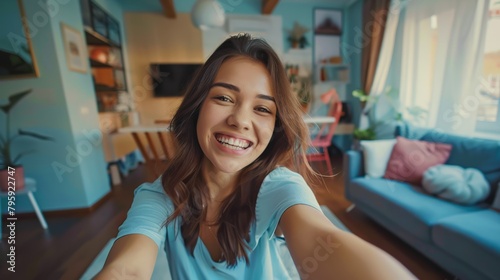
<point>172,79</point>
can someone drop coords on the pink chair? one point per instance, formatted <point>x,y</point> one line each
<point>323,139</point>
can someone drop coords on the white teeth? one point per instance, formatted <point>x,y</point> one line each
<point>232,147</point>
<point>238,143</point>
<point>233,143</point>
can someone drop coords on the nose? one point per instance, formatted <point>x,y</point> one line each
<point>240,118</point>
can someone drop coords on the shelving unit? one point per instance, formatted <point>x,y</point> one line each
<point>333,72</point>
<point>329,69</point>
<point>102,33</point>
<point>327,41</point>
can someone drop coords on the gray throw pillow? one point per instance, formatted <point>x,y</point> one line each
<point>455,183</point>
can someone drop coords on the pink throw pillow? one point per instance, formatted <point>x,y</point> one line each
<point>411,158</point>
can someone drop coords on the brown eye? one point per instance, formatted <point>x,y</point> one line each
<point>263,110</point>
<point>223,98</point>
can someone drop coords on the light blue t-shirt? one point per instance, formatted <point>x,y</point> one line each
<point>280,190</point>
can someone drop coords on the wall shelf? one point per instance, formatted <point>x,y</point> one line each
<point>98,64</point>
<point>102,33</point>
<point>94,38</point>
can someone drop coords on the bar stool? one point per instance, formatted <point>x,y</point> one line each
<point>29,189</point>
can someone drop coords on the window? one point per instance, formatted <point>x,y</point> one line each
<point>488,115</point>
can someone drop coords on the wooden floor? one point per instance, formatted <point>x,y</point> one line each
<point>71,243</point>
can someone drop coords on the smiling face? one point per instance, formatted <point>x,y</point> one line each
<point>237,118</point>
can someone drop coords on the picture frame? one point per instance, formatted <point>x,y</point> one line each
<point>75,49</point>
<point>17,55</point>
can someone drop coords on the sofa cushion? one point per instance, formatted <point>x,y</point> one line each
<point>376,154</point>
<point>467,152</point>
<point>455,183</point>
<point>406,205</point>
<point>473,238</point>
<point>411,158</point>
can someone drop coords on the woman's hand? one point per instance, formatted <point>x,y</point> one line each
<point>322,251</point>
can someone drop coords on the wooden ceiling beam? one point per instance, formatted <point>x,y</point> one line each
<point>168,8</point>
<point>268,6</point>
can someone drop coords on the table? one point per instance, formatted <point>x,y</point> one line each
<point>319,120</point>
<point>160,130</point>
<point>342,128</point>
<point>29,189</point>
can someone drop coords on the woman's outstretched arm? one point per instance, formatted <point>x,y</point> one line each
<point>131,257</point>
<point>322,251</point>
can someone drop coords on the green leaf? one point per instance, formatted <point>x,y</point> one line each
<point>13,99</point>
<point>361,95</point>
<point>364,134</point>
<point>35,135</point>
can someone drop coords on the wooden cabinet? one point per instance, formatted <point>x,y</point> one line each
<point>102,33</point>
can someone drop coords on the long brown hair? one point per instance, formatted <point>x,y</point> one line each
<point>183,180</point>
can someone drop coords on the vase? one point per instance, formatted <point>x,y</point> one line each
<point>17,179</point>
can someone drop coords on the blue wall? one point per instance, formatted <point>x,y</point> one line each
<point>71,171</point>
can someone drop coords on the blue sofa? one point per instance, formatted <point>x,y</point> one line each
<point>464,240</point>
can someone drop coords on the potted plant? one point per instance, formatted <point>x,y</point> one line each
<point>297,36</point>
<point>9,161</point>
<point>378,125</point>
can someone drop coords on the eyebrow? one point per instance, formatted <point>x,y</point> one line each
<point>237,89</point>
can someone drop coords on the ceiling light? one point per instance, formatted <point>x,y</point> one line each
<point>207,14</point>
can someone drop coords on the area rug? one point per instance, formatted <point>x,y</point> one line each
<point>162,272</point>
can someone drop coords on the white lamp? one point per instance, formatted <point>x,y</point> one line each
<point>207,14</point>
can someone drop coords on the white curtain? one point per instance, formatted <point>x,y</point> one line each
<point>432,54</point>
<point>444,69</point>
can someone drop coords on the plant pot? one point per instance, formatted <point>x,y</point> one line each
<point>18,178</point>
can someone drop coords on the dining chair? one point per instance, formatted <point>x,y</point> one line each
<point>321,140</point>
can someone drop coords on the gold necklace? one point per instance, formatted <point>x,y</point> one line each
<point>217,240</point>
<point>211,232</point>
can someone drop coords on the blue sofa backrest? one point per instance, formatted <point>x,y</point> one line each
<point>467,152</point>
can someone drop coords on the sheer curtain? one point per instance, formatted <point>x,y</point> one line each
<point>441,61</point>
<point>433,56</point>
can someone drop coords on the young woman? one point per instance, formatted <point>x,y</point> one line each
<point>237,181</point>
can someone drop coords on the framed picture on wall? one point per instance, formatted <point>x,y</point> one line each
<point>75,49</point>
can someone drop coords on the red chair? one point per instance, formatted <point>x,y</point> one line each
<point>323,139</point>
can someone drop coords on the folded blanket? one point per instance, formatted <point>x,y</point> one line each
<point>455,183</point>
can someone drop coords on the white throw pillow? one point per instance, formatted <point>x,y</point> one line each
<point>376,156</point>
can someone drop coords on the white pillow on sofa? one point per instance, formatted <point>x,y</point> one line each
<point>376,155</point>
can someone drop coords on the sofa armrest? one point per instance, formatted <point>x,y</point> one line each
<point>353,167</point>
